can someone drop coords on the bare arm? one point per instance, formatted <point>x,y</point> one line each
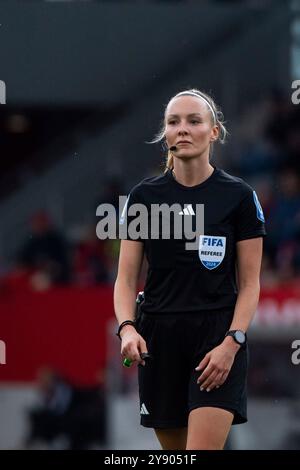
<point>129,268</point>
<point>249,255</point>
<point>125,290</point>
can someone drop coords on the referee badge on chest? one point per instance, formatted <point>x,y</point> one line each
<point>211,250</point>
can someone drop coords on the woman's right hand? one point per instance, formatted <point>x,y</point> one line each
<point>133,345</point>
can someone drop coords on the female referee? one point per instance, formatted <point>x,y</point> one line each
<point>198,303</point>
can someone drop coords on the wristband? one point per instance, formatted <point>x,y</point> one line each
<point>126,322</point>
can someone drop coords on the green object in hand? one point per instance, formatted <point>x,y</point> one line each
<point>127,362</point>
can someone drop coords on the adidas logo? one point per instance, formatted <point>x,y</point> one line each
<point>144,410</point>
<point>187,210</point>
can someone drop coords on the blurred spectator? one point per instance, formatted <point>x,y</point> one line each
<point>284,224</point>
<point>292,141</point>
<point>269,159</point>
<point>263,136</point>
<point>46,251</point>
<point>47,419</point>
<point>78,414</point>
<point>90,262</point>
<point>110,194</point>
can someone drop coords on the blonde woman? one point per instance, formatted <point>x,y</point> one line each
<point>198,303</point>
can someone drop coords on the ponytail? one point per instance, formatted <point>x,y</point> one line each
<point>169,162</point>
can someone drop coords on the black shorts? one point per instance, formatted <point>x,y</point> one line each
<point>168,386</point>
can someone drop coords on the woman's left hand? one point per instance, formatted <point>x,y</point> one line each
<point>217,364</point>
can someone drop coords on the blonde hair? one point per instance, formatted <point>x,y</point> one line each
<point>216,115</point>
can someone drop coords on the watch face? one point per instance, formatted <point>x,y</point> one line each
<point>240,337</point>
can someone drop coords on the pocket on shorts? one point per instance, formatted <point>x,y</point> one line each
<point>142,324</point>
<point>146,327</point>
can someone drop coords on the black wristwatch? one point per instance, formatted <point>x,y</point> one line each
<point>239,337</point>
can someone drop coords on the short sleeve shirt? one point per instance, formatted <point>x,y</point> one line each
<point>202,278</point>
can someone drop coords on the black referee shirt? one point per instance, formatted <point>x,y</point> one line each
<point>181,280</point>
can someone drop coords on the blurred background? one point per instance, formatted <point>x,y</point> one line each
<point>86,83</point>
